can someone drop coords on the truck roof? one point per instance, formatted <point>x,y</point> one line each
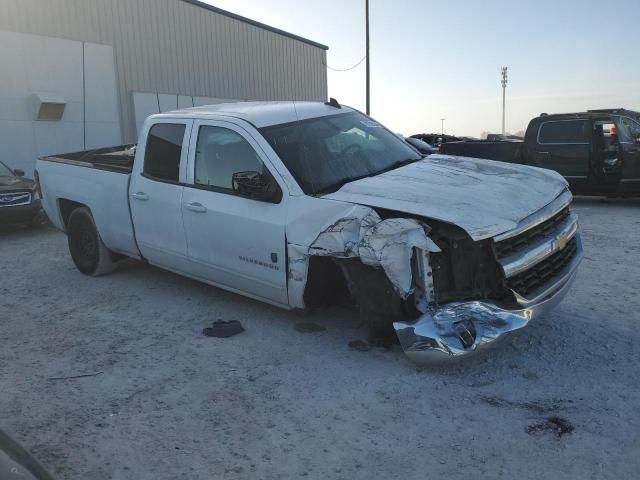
<point>260,114</point>
<point>601,113</point>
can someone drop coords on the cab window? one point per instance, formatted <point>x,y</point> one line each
<point>564,131</point>
<point>164,147</point>
<point>220,154</point>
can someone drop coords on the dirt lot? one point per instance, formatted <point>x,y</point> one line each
<point>166,402</point>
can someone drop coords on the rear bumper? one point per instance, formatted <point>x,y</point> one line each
<point>20,215</point>
<point>463,328</point>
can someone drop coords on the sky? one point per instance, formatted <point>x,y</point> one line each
<point>433,59</point>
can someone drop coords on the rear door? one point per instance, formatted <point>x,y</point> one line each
<point>156,193</point>
<point>233,241</point>
<point>564,146</point>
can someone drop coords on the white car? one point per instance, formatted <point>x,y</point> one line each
<point>300,204</point>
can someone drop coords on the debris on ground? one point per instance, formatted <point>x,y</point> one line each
<point>359,345</point>
<point>223,329</point>
<point>308,327</point>
<point>557,425</point>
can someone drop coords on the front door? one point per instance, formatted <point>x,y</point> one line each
<point>233,240</point>
<point>156,193</point>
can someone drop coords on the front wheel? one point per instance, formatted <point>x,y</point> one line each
<point>88,252</point>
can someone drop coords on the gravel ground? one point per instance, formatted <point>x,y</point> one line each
<point>166,402</point>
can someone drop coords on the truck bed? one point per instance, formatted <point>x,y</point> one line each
<point>113,159</point>
<point>503,151</point>
<point>97,179</point>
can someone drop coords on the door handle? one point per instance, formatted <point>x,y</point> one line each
<point>140,196</point>
<point>196,207</point>
<point>543,153</point>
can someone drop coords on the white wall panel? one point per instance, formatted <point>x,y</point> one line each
<point>167,102</point>
<point>169,46</point>
<point>17,142</point>
<point>42,65</point>
<point>144,104</point>
<point>102,112</point>
<point>102,134</point>
<point>65,69</point>
<point>101,89</point>
<point>185,101</point>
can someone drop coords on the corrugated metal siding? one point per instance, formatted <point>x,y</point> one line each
<point>170,46</point>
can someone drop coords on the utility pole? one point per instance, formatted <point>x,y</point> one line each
<point>367,53</point>
<point>504,90</point>
<point>442,123</point>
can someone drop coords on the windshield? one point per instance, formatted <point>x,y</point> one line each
<point>325,153</point>
<point>629,130</point>
<point>5,171</point>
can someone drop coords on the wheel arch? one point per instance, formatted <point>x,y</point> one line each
<point>66,207</point>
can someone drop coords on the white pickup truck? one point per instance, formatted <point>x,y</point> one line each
<point>303,204</point>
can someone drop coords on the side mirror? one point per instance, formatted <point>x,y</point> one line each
<point>19,172</point>
<point>257,186</point>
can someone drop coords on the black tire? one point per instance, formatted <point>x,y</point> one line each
<point>88,252</point>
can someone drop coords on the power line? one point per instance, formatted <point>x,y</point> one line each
<point>346,69</point>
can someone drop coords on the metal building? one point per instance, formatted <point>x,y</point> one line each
<point>79,74</point>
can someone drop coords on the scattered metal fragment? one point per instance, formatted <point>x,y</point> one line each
<point>223,329</point>
<point>308,327</point>
<point>359,345</point>
<point>557,425</point>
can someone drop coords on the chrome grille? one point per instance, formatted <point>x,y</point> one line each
<point>15,199</point>
<point>540,274</point>
<point>521,242</point>
<point>540,252</point>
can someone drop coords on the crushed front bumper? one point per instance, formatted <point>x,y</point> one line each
<point>462,328</point>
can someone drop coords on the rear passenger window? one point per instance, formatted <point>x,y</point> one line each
<point>221,153</point>
<point>566,131</point>
<point>164,147</point>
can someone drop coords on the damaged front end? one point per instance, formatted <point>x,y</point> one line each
<point>444,294</point>
<point>537,264</point>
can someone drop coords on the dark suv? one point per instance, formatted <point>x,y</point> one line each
<point>19,199</point>
<point>597,151</point>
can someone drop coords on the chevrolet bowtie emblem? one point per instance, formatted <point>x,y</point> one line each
<point>561,242</point>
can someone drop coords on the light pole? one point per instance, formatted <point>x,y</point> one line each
<point>504,90</point>
<point>442,122</point>
<point>367,54</point>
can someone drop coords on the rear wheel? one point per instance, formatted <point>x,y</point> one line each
<point>88,252</point>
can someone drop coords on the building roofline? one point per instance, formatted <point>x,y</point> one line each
<point>264,26</point>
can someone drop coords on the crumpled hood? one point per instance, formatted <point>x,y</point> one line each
<point>483,197</point>
<point>11,184</point>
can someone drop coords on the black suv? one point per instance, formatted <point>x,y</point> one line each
<point>597,151</point>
